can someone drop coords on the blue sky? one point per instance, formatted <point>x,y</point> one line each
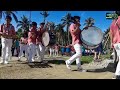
<point>55,16</point>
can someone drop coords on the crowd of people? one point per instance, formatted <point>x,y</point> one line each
<point>30,44</point>
<point>19,48</point>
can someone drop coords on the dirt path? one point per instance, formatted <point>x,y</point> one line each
<point>52,70</point>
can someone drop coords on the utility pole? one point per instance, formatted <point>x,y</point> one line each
<point>29,19</point>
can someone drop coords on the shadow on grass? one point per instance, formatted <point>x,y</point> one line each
<point>39,65</point>
<point>45,65</point>
<point>63,62</point>
<point>109,68</point>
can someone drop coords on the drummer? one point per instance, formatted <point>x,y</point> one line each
<point>7,30</point>
<point>76,42</point>
<point>40,46</point>
<point>32,34</point>
<point>115,41</point>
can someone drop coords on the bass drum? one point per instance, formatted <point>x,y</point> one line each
<point>91,37</point>
<point>48,39</point>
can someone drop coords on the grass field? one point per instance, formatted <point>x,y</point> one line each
<point>88,59</point>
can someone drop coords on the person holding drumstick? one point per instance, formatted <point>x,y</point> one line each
<point>76,42</point>
<point>115,41</point>
<point>32,35</point>
<point>7,32</point>
<point>40,46</point>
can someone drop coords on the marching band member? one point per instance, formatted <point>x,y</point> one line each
<point>52,42</point>
<point>7,31</point>
<point>23,46</point>
<point>76,42</point>
<point>40,46</point>
<point>115,41</point>
<point>32,34</point>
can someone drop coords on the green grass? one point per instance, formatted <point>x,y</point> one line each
<point>84,59</point>
<point>106,56</point>
<point>88,59</point>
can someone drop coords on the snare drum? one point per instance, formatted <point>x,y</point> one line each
<point>91,37</point>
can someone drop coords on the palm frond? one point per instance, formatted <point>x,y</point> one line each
<point>15,17</point>
<point>1,14</point>
<point>19,25</point>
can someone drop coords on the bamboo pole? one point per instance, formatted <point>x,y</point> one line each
<point>108,37</point>
<point>29,19</point>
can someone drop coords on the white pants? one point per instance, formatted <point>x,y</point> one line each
<point>6,49</point>
<point>37,51</point>
<point>117,48</point>
<point>31,52</point>
<point>76,56</point>
<point>52,51</point>
<point>56,52</point>
<point>41,51</point>
<point>23,47</point>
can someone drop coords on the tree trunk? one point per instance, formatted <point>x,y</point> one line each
<point>68,34</point>
<point>29,19</point>
<point>62,38</point>
<point>44,19</point>
<point>58,38</point>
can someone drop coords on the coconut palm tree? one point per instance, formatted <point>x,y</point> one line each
<point>66,21</point>
<point>52,25</point>
<point>89,22</point>
<point>60,33</point>
<point>19,33</point>
<point>24,23</point>
<point>45,14</point>
<point>11,13</point>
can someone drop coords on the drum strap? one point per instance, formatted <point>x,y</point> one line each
<point>118,26</point>
<point>41,35</point>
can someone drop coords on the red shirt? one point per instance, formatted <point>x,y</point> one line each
<point>23,40</point>
<point>75,35</point>
<point>7,30</point>
<point>39,35</point>
<point>32,34</point>
<point>115,31</point>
